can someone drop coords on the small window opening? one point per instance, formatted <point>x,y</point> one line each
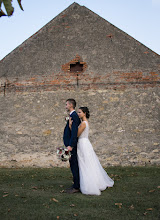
<point>77,67</point>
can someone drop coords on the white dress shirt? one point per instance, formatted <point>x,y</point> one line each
<point>71,112</point>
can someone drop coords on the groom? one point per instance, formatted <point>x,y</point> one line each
<point>70,141</point>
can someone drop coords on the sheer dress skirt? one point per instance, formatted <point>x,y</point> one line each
<point>93,178</point>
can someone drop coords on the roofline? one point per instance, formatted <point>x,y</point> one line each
<point>63,12</point>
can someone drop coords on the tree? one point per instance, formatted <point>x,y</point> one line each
<point>8,7</point>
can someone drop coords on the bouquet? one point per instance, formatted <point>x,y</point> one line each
<point>67,118</point>
<point>63,153</point>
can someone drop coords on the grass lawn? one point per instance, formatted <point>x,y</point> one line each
<point>38,194</point>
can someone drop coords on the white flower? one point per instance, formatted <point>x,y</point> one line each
<point>67,118</point>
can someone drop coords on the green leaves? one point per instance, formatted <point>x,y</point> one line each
<point>8,7</point>
<point>1,13</point>
<point>20,5</point>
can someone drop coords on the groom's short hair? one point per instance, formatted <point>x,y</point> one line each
<point>72,101</point>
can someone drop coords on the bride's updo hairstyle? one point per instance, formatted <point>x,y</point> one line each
<point>85,110</point>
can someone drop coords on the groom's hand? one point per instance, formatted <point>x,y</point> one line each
<point>69,148</point>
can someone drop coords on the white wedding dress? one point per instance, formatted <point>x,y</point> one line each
<point>93,178</point>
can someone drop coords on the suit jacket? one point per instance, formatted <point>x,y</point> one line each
<point>70,136</point>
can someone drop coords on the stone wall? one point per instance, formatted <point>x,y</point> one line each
<point>124,126</point>
<point>119,83</point>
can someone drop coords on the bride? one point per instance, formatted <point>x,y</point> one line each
<point>93,178</point>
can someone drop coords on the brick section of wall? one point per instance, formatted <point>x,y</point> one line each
<point>66,67</point>
<point>71,81</point>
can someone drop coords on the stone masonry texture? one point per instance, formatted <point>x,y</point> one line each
<point>120,84</point>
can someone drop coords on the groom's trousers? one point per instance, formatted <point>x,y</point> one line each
<point>74,168</point>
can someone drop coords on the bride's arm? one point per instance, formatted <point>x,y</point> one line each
<point>81,128</point>
<point>70,123</point>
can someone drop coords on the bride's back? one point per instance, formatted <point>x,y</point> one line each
<point>85,132</point>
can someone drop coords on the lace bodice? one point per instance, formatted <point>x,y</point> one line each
<point>85,132</point>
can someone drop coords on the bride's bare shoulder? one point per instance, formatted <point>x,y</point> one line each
<point>83,124</point>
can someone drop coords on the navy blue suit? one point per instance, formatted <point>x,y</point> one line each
<point>70,139</point>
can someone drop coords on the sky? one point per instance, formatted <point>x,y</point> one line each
<point>138,18</point>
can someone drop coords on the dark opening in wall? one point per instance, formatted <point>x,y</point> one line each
<point>77,67</point>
